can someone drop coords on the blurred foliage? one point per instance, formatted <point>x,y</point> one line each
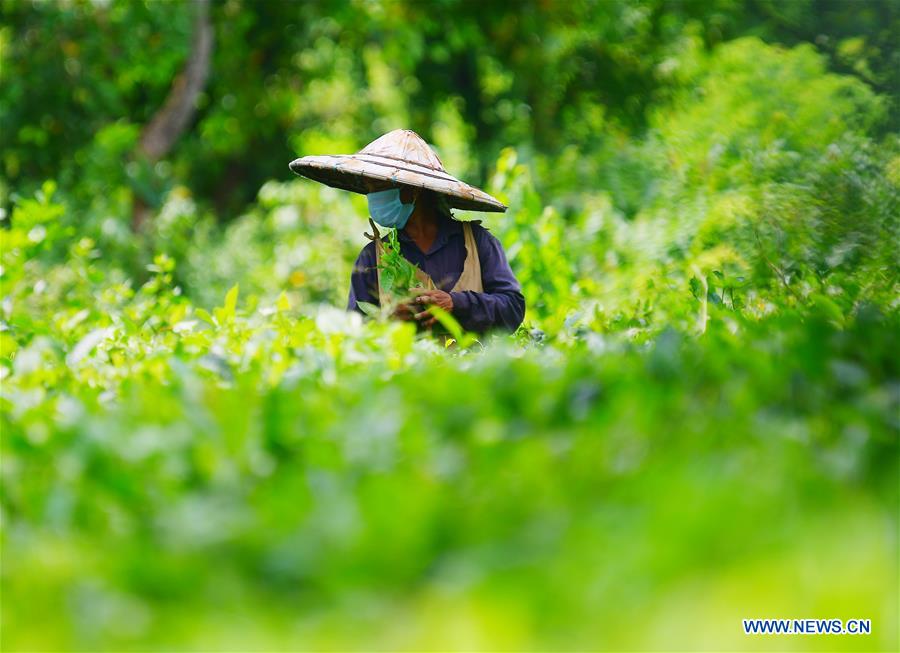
<point>698,422</point>
<point>332,75</point>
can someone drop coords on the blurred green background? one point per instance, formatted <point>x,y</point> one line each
<point>698,422</point>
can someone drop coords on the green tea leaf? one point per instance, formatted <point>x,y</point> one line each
<point>204,315</point>
<point>369,309</point>
<point>696,287</point>
<point>230,306</point>
<point>282,303</point>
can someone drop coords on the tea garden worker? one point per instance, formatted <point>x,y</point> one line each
<point>461,265</point>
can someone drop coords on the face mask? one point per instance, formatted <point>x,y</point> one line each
<point>387,210</point>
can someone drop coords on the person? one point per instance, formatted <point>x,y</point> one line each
<point>462,266</point>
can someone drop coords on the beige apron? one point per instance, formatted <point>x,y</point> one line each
<point>470,279</point>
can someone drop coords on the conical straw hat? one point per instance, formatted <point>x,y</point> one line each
<point>400,157</point>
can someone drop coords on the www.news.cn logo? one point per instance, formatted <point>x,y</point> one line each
<point>807,627</point>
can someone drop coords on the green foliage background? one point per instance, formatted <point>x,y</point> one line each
<point>698,422</point>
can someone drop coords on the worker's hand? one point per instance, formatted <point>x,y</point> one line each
<point>438,298</point>
<point>405,311</point>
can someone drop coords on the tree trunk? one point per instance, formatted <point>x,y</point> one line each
<point>170,122</point>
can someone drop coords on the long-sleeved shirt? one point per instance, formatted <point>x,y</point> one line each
<point>501,305</point>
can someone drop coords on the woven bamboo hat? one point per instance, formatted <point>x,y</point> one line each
<point>400,157</point>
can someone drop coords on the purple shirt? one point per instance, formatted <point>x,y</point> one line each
<point>501,305</point>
